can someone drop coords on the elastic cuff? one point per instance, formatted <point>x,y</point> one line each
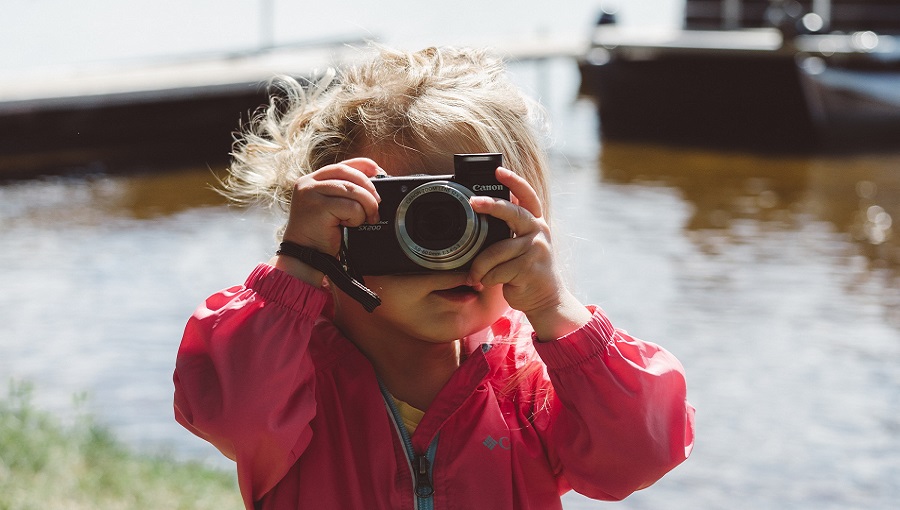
<point>589,341</point>
<point>279,287</point>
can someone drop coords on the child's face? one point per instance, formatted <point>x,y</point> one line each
<point>435,307</point>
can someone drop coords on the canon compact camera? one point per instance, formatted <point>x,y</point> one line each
<point>426,222</point>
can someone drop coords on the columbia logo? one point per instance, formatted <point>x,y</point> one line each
<point>490,443</point>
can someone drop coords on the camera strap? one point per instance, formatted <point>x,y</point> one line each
<point>334,270</point>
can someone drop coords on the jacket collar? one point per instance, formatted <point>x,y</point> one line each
<point>462,384</point>
<point>479,352</point>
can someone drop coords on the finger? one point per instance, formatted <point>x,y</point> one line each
<point>349,212</point>
<point>343,171</point>
<point>311,189</point>
<point>364,165</point>
<point>363,197</point>
<point>502,274</point>
<point>357,171</point>
<point>521,190</point>
<point>495,255</point>
<point>322,214</point>
<point>520,221</point>
<point>315,219</point>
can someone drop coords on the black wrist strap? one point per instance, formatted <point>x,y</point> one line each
<point>335,272</point>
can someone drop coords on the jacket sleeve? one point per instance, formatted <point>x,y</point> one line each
<point>618,418</point>
<point>243,380</point>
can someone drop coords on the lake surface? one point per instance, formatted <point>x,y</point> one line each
<point>775,280</point>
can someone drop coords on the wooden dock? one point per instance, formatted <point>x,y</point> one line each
<point>123,116</point>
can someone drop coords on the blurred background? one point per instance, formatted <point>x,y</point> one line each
<point>772,275</point>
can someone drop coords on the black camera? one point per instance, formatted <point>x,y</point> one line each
<point>426,222</point>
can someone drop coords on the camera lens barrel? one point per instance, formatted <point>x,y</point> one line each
<point>436,226</point>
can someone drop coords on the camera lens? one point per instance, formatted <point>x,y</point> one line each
<point>436,223</point>
<point>437,228</point>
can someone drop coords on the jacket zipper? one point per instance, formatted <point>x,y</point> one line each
<point>419,465</point>
<point>422,473</point>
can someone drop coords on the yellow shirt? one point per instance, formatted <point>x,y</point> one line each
<point>409,414</point>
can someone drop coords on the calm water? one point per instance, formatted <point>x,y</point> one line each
<point>774,280</point>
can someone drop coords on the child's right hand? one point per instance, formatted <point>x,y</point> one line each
<point>325,200</point>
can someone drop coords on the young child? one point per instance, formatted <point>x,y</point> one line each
<point>493,388</point>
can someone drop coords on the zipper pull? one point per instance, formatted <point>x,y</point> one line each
<point>422,468</point>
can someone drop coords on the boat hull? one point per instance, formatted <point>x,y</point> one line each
<point>778,99</point>
<point>711,99</point>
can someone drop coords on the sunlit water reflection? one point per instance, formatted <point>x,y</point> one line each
<point>774,280</point>
<point>753,272</point>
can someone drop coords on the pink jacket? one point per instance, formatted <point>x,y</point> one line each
<point>271,382</point>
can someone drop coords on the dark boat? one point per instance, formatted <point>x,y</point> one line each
<point>780,76</point>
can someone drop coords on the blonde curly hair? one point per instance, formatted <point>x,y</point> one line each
<point>414,110</point>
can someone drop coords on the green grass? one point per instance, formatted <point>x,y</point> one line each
<point>47,465</point>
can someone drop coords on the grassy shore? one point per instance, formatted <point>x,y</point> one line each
<point>45,464</point>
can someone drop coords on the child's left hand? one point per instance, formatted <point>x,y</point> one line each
<point>526,265</point>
